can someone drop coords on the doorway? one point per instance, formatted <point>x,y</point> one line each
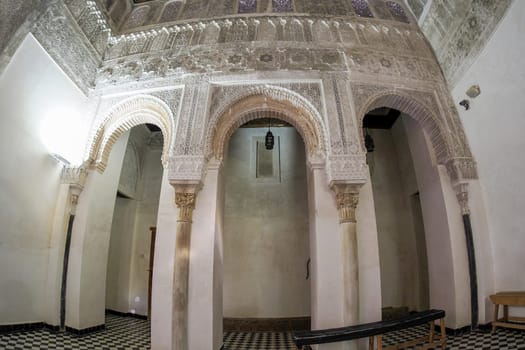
<point>128,279</point>
<point>266,282</point>
<point>399,218</point>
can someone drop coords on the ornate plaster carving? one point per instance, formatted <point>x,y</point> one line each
<point>347,198</point>
<point>462,196</point>
<point>350,168</point>
<point>247,103</point>
<point>470,24</point>
<point>75,178</point>
<point>190,168</point>
<point>125,13</point>
<point>125,115</point>
<point>439,120</point>
<point>460,169</point>
<point>214,46</point>
<point>185,201</point>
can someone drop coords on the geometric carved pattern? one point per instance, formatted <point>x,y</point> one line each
<point>345,46</point>
<point>441,125</point>
<point>248,103</point>
<point>121,118</point>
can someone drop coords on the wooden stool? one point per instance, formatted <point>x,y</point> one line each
<point>507,299</point>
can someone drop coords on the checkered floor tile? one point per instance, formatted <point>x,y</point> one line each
<point>503,339</point>
<point>258,341</point>
<point>124,333</point>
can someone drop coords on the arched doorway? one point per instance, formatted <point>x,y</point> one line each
<point>266,282</point>
<point>326,285</point>
<point>399,218</point>
<point>433,149</point>
<point>132,237</point>
<point>86,281</point>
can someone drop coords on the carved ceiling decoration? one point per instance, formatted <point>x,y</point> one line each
<point>322,73</point>
<point>458,30</point>
<point>130,15</point>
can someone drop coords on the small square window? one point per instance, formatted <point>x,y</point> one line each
<point>282,6</point>
<point>247,6</point>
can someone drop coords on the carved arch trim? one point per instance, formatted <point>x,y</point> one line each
<point>263,102</point>
<point>417,109</point>
<point>128,113</point>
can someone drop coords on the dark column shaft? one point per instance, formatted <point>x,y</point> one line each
<point>472,272</point>
<point>65,263</point>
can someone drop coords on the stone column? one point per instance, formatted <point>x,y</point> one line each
<point>347,197</point>
<point>75,177</point>
<point>185,195</point>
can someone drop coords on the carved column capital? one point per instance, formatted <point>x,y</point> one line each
<point>75,178</point>
<point>185,198</point>
<point>462,196</point>
<point>347,198</point>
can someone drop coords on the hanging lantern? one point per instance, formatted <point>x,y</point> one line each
<point>269,140</point>
<point>369,142</point>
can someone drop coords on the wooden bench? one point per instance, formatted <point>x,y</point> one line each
<point>507,299</point>
<point>375,330</point>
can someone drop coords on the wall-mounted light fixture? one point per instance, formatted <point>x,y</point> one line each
<point>465,103</point>
<point>472,92</point>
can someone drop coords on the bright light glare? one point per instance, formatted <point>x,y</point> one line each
<point>63,135</point>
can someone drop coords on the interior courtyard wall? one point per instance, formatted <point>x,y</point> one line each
<point>119,255</point>
<point>411,193</point>
<point>266,228</point>
<point>162,293</point>
<point>326,290</point>
<point>146,217</point>
<point>447,261</point>
<point>86,281</point>
<point>34,95</point>
<point>137,73</point>
<point>205,290</point>
<point>370,291</point>
<point>400,275</point>
<point>494,126</point>
<point>127,284</point>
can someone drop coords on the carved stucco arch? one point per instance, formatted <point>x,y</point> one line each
<point>255,107</point>
<point>128,113</point>
<point>263,102</point>
<point>417,110</point>
<point>446,135</point>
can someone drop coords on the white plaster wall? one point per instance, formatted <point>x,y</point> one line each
<point>31,88</point>
<point>86,281</point>
<point>162,300</point>
<point>400,275</point>
<point>205,280</point>
<point>368,257</point>
<point>494,126</point>
<point>414,212</point>
<point>146,217</point>
<point>129,250</point>
<point>120,255</point>
<point>266,231</point>
<point>445,237</point>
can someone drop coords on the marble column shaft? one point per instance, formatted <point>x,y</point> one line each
<point>347,196</point>
<point>185,199</point>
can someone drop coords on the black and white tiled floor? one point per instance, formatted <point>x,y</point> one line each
<point>133,334</point>
<point>122,333</point>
